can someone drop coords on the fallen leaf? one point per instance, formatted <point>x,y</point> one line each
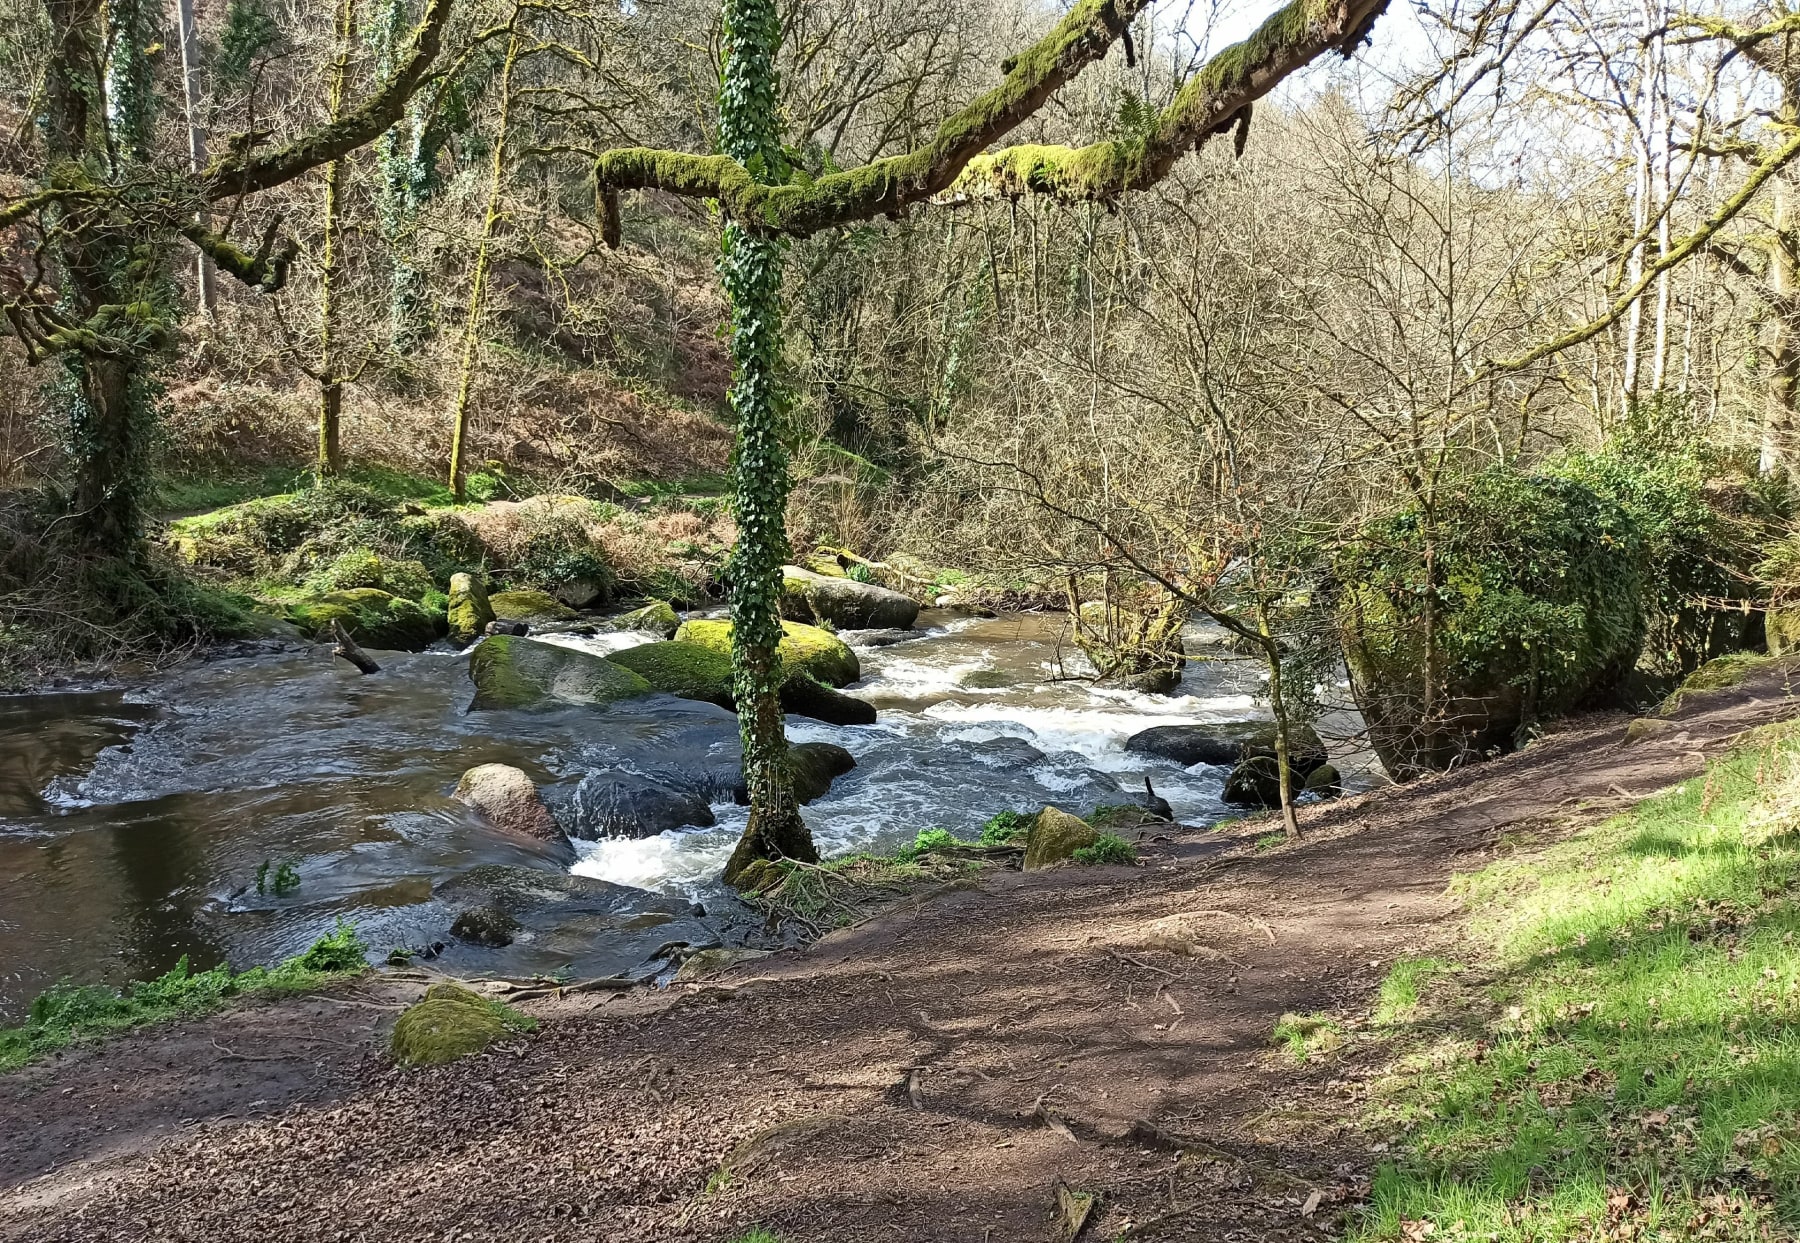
<point>1312,1204</point>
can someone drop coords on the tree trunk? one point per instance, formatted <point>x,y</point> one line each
<point>751,270</point>
<point>331,383</point>
<point>1278,705</point>
<point>1784,299</point>
<point>190,80</point>
<point>478,283</point>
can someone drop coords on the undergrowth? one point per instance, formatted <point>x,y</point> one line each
<point>1633,1070</point>
<point>68,1012</point>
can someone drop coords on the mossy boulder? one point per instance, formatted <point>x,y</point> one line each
<point>450,1022</point>
<point>1054,838</point>
<point>513,672</point>
<point>363,567</point>
<point>804,650</point>
<point>677,667</point>
<point>1324,781</point>
<point>657,617</point>
<point>468,610</point>
<point>1227,744</point>
<point>842,603</point>
<point>374,618</point>
<point>534,608</point>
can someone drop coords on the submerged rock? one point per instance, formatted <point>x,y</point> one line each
<point>878,638</point>
<point>374,618</point>
<point>804,650</point>
<point>469,611</point>
<point>805,697</point>
<point>509,800</point>
<point>485,925</point>
<point>451,1022</point>
<point>511,672</point>
<point>1055,836</point>
<point>619,804</point>
<point>815,766</point>
<point>843,603</point>
<point>532,607</point>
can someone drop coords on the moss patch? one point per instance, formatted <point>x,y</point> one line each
<point>452,1022</point>
<point>689,670</point>
<point>513,672</point>
<point>373,617</point>
<point>804,650</point>
<point>529,606</point>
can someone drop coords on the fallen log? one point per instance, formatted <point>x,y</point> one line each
<point>346,647</point>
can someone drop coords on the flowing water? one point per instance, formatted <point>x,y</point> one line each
<point>134,824</point>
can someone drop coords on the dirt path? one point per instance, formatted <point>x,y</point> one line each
<point>930,1076</point>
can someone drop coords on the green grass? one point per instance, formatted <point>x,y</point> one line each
<point>758,1235</point>
<point>1107,848</point>
<point>1403,988</point>
<point>668,489</point>
<point>1306,1034</point>
<point>1268,841</point>
<point>69,1012</point>
<point>1635,1063</point>
<point>192,494</point>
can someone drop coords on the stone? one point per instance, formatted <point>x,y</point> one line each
<point>803,649</point>
<point>1325,781</point>
<point>531,607</point>
<point>508,799</point>
<point>815,766</point>
<point>843,603</point>
<point>511,672</point>
<point>451,1022</point>
<point>1227,744</point>
<point>878,638</point>
<point>625,805</point>
<point>1163,681</point>
<point>657,617</point>
<point>702,963</point>
<point>485,925</point>
<point>805,697</point>
<point>1055,837</point>
<point>374,618</point>
<point>580,593</point>
<point>514,628</point>
<point>687,670</point>
<point>469,611</point>
<point>1647,727</point>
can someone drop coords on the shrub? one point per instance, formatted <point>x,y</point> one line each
<point>1006,828</point>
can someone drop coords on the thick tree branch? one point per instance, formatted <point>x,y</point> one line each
<point>267,269</point>
<point>1211,102</point>
<point>243,173</point>
<point>883,187</point>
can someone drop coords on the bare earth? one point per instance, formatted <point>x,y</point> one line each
<point>932,1075</point>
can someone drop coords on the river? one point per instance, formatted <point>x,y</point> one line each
<point>134,822</point>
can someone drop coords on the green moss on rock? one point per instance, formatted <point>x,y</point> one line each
<point>1055,836</point>
<point>513,672</point>
<point>804,650</point>
<point>452,1022</point>
<point>656,617</point>
<point>688,670</point>
<point>532,607</point>
<point>468,609</point>
<point>373,617</point>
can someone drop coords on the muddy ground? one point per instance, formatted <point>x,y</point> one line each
<point>931,1075</point>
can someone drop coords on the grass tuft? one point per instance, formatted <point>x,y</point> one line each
<point>1307,1034</point>
<point>1108,848</point>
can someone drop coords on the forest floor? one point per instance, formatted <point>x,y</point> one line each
<point>933,1074</point>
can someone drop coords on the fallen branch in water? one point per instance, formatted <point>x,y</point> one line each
<point>346,647</point>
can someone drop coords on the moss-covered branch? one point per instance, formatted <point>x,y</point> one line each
<point>1211,102</point>
<point>245,173</point>
<point>267,269</point>
<point>886,186</point>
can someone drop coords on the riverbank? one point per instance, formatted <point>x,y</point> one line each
<point>930,1075</point>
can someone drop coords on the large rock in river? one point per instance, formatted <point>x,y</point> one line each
<point>803,649</point>
<point>1055,836</point>
<point>513,672</point>
<point>508,799</point>
<point>620,804</point>
<point>843,603</point>
<point>534,608</point>
<point>695,671</point>
<point>815,766</point>
<point>373,617</point>
<point>469,611</point>
<point>657,617</point>
<point>1228,744</point>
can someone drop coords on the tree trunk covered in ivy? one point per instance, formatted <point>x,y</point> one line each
<point>331,380</point>
<point>750,267</point>
<point>98,113</point>
<point>406,156</point>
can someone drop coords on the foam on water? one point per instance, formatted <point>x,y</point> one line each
<point>601,643</point>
